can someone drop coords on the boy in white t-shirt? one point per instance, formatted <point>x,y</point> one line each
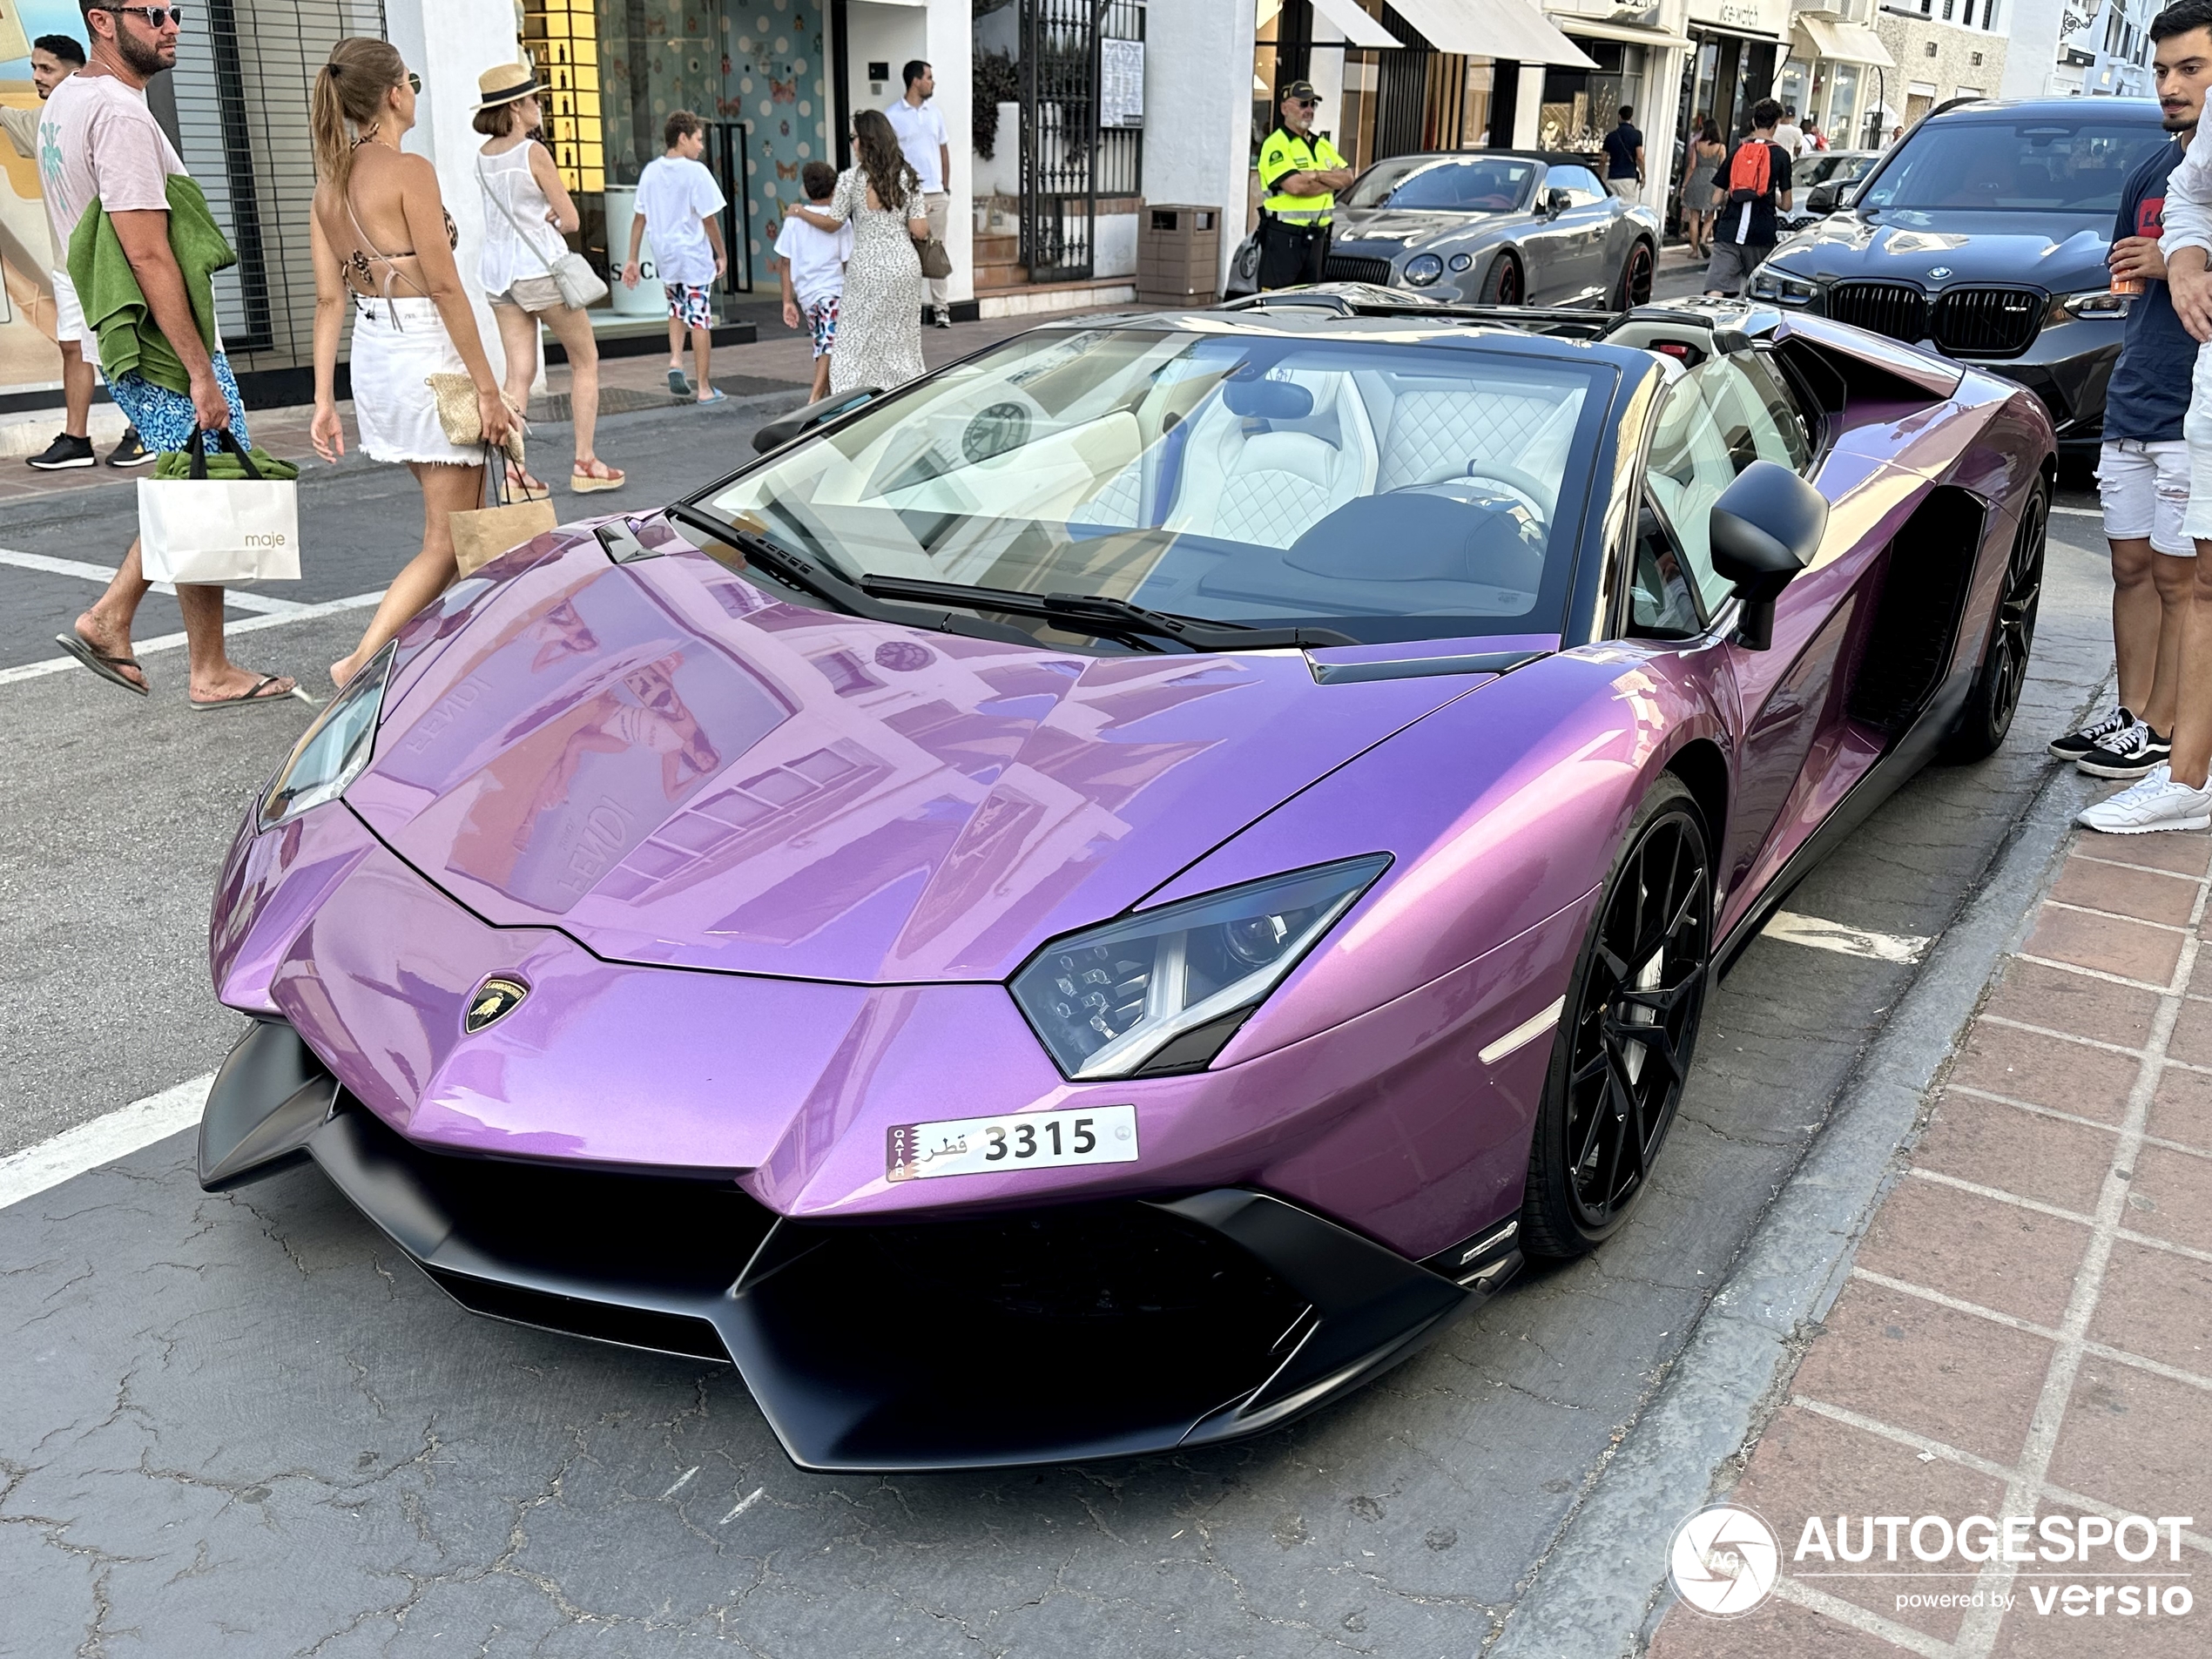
<point>814,271</point>
<point>678,200</point>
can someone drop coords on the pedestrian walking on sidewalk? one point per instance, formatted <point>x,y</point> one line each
<point>1624,157</point>
<point>677,202</point>
<point>878,326</point>
<point>527,212</point>
<point>1754,183</point>
<point>2176,795</point>
<point>921,140</point>
<point>383,245</point>
<point>2143,477</point>
<point>54,59</point>
<point>813,274</point>
<point>1701,194</point>
<point>109,157</point>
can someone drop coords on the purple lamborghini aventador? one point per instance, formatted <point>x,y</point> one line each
<point>1095,901</point>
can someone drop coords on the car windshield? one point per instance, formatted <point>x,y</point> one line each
<point>1453,184</point>
<point>1387,490</point>
<point>2033,165</point>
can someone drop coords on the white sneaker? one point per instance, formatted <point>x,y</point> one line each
<point>2156,803</point>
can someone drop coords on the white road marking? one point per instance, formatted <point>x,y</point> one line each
<point>103,574</point>
<point>105,1139</point>
<point>2080,512</point>
<point>61,664</point>
<point>682,1480</point>
<point>746,1502</point>
<point>1527,1032</point>
<point>1849,941</point>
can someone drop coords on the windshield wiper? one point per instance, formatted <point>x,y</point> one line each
<point>836,589</point>
<point>1120,618</point>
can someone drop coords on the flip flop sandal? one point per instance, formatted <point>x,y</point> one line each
<point>585,483</point>
<point>252,694</point>
<point>717,396</point>
<point>678,385</point>
<point>99,661</point>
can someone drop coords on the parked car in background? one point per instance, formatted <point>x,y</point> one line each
<point>1982,234</point>
<point>1488,227</point>
<point>1818,183</point>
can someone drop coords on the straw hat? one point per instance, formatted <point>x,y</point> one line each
<point>504,84</point>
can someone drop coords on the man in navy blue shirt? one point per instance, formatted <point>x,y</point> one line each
<point>1624,157</point>
<point>2143,475</point>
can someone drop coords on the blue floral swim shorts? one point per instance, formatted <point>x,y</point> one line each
<point>164,418</point>
<point>687,304</point>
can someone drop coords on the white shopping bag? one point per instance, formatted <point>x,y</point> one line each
<point>217,530</point>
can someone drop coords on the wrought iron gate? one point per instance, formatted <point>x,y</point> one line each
<point>1059,81</point>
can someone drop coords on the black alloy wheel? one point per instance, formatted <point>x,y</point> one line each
<point>1627,1033</point>
<point>1988,715</point>
<point>1635,278</point>
<point>1502,285</point>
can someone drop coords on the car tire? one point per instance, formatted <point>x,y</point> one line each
<point>1627,1030</point>
<point>1503,284</point>
<point>1634,288</point>
<point>1981,725</point>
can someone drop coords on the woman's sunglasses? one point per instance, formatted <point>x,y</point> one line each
<point>414,83</point>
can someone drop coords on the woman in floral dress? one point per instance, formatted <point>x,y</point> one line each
<point>878,320</point>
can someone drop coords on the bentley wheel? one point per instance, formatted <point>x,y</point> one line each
<point>1988,714</point>
<point>1502,285</point>
<point>1626,1032</point>
<point>1636,279</point>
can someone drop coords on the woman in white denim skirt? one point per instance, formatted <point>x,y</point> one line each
<point>527,213</point>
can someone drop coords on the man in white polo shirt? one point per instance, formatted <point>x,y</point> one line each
<point>921,136</point>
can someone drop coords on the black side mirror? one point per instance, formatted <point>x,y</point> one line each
<point>1821,199</point>
<point>1765,528</point>
<point>779,433</point>
<point>1557,202</point>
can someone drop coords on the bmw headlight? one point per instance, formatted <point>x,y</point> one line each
<point>335,750</point>
<point>1767,283</point>
<point>1162,991</point>
<point>2093,302</point>
<point>1423,269</point>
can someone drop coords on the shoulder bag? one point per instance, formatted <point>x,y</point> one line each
<point>572,274</point>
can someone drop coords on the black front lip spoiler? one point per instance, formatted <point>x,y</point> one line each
<point>1212,1316</point>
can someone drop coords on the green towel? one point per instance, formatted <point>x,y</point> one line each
<point>221,463</point>
<point>116,308</point>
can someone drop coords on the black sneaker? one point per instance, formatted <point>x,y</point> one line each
<point>2074,745</point>
<point>131,452</point>
<point>64,452</point>
<point>2131,754</point>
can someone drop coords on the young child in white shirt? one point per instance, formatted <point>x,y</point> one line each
<point>814,271</point>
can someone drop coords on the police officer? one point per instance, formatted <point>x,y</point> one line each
<point>1299,172</point>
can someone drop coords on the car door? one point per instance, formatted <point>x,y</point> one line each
<point>1732,409</point>
<point>1574,242</point>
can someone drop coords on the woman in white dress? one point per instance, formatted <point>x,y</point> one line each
<point>383,247</point>
<point>527,213</point>
<point>878,320</point>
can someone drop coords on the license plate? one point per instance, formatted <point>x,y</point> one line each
<point>1024,1141</point>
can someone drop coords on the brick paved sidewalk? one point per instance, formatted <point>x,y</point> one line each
<point>2026,1329</point>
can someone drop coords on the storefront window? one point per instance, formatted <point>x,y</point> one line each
<point>1474,119</point>
<point>1843,106</point>
<point>1582,105</point>
<point>1792,86</point>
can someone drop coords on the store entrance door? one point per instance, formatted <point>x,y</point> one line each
<point>726,159</point>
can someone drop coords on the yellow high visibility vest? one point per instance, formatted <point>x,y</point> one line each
<point>1283,154</point>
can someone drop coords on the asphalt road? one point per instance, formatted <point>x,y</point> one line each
<point>245,1425</point>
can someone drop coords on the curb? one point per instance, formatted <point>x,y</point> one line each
<point>1601,1585</point>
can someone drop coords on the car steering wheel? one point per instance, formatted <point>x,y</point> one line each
<point>1526,488</point>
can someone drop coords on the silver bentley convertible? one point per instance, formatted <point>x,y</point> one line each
<point>1488,227</point>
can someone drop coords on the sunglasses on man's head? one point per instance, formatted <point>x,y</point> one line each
<point>156,16</point>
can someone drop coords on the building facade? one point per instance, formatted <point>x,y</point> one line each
<point>2067,48</point>
<point>1946,50</point>
<point>1839,77</point>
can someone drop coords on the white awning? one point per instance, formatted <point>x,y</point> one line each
<point>1493,28</point>
<point>1355,25</point>
<point>1839,43</point>
<point>1627,33</point>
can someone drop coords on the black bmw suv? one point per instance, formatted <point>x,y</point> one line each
<point>1983,235</point>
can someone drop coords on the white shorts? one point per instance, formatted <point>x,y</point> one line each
<point>2145,490</point>
<point>69,318</point>
<point>2196,522</point>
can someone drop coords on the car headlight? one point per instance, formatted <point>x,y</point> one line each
<point>1461,261</point>
<point>1162,991</point>
<point>1423,269</point>
<point>2093,302</point>
<point>335,750</point>
<point>1767,283</point>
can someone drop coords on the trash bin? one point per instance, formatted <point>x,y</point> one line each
<point>1178,255</point>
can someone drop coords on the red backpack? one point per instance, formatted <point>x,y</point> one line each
<point>1749,173</point>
